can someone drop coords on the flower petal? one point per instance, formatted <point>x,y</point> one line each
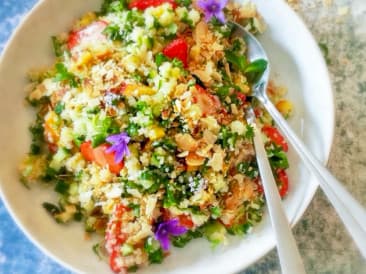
<point>178,230</point>
<point>164,241</point>
<point>222,3</point>
<point>118,157</point>
<point>221,17</point>
<point>113,138</point>
<point>208,16</point>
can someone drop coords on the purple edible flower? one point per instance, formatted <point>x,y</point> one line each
<point>119,146</point>
<point>167,228</point>
<point>213,8</point>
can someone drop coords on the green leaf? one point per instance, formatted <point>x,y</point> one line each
<point>255,70</point>
<point>238,61</point>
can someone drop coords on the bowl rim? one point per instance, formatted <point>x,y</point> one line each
<point>306,201</point>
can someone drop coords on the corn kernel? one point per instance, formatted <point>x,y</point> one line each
<point>285,107</point>
<point>156,133</point>
<point>86,20</point>
<point>84,58</point>
<point>137,90</point>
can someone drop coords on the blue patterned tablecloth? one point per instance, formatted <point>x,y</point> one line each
<point>323,241</point>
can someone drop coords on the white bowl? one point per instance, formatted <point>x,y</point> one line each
<point>296,62</point>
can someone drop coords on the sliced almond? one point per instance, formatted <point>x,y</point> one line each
<point>194,160</point>
<point>185,142</point>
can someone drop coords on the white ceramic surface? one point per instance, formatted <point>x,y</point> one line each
<point>296,63</point>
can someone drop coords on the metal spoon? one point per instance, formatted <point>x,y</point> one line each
<point>349,210</point>
<point>288,253</point>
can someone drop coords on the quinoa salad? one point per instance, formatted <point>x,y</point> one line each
<point>140,128</point>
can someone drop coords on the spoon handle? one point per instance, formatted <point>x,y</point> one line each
<point>349,210</point>
<point>288,253</point>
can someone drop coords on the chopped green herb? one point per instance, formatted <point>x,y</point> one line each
<point>214,232</point>
<point>35,149</point>
<point>166,143</point>
<point>63,75</point>
<point>249,169</point>
<point>57,46</point>
<point>132,129</point>
<point>154,251</point>
<point>132,269</point>
<point>184,3</point>
<point>51,208</point>
<point>96,250</point>
<point>215,212</point>
<point>249,133</point>
<point>78,140</point>
<point>113,6</point>
<point>325,50</point>
<point>239,229</point>
<point>113,32</point>
<point>277,157</point>
<point>60,106</point>
<point>183,240</point>
<point>62,187</point>
<point>135,208</point>
<point>50,174</point>
<point>227,138</point>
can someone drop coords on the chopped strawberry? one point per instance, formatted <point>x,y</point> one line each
<point>100,156</point>
<point>275,136</point>
<point>119,89</point>
<point>282,179</point>
<point>114,238</point>
<point>178,48</point>
<point>186,221</point>
<point>241,96</point>
<point>144,4</point>
<point>86,150</point>
<point>209,104</point>
<point>89,34</point>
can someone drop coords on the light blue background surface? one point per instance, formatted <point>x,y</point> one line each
<point>17,254</point>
